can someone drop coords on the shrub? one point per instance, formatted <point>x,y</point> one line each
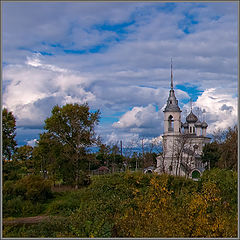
<point>227,182</point>
<point>33,188</point>
<point>64,205</point>
<point>144,205</point>
<point>25,197</point>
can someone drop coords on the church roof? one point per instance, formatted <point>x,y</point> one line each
<point>191,118</point>
<point>172,102</point>
<point>204,125</point>
<point>198,124</point>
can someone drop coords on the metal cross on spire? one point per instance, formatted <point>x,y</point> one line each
<point>171,76</point>
<point>191,103</point>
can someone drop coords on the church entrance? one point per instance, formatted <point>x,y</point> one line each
<point>196,174</point>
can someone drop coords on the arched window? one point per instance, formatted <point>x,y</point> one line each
<point>170,123</point>
<point>196,174</point>
<point>190,130</point>
<point>193,129</point>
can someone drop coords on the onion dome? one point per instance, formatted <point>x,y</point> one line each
<point>185,125</point>
<point>191,118</point>
<point>198,124</point>
<point>204,125</point>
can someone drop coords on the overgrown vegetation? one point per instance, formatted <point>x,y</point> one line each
<point>25,197</point>
<point>222,152</point>
<point>122,204</point>
<point>142,205</point>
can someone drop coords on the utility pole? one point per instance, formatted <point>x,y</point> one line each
<point>121,146</point>
<point>143,151</point>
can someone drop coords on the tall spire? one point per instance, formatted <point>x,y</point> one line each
<point>171,76</point>
<point>172,102</point>
<point>191,103</point>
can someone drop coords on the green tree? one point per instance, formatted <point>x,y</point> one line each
<point>229,150</point>
<point>47,155</point>
<point>8,134</point>
<point>73,126</point>
<point>223,151</point>
<point>103,155</point>
<point>24,154</point>
<point>23,159</point>
<point>211,154</point>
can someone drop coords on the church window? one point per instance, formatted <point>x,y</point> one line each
<point>193,129</point>
<point>170,101</point>
<point>190,130</point>
<point>170,168</point>
<point>196,174</point>
<point>170,123</point>
<point>195,146</point>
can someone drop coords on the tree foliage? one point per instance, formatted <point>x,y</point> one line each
<point>211,154</point>
<point>223,151</point>
<point>47,156</point>
<point>139,205</point>
<point>8,134</point>
<point>73,126</point>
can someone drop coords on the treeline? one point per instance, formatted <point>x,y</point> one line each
<point>222,152</point>
<point>62,153</point>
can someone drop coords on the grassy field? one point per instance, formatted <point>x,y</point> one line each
<point>128,205</point>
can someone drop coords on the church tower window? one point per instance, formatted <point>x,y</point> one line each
<point>170,123</point>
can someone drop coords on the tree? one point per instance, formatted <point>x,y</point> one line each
<point>211,154</point>
<point>23,155</point>
<point>229,150</point>
<point>103,155</point>
<point>73,126</point>
<point>8,134</point>
<point>223,151</point>
<point>47,155</point>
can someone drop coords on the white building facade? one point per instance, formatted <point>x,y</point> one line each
<point>182,142</point>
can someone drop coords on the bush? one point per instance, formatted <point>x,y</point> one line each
<point>17,207</point>
<point>52,228</point>
<point>143,205</point>
<point>65,205</point>
<point>227,182</point>
<point>25,197</point>
<point>33,188</point>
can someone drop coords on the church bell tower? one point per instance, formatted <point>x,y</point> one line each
<point>172,113</point>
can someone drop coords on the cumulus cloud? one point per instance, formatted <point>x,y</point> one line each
<point>34,88</point>
<point>220,109</point>
<point>143,122</point>
<point>116,56</point>
<point>144,117</point>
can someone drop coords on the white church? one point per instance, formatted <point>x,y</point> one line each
<point>182,142</point>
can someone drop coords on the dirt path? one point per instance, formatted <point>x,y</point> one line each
<point>27,220</point>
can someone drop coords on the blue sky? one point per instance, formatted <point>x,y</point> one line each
<point>116,56</point>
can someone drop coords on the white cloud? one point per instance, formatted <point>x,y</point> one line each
<point>220,107</point>
<point>36,62</point>
<point>32,142</point>
<point>34,88</point>
<point>133,69</point>
<point>144,117</point>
